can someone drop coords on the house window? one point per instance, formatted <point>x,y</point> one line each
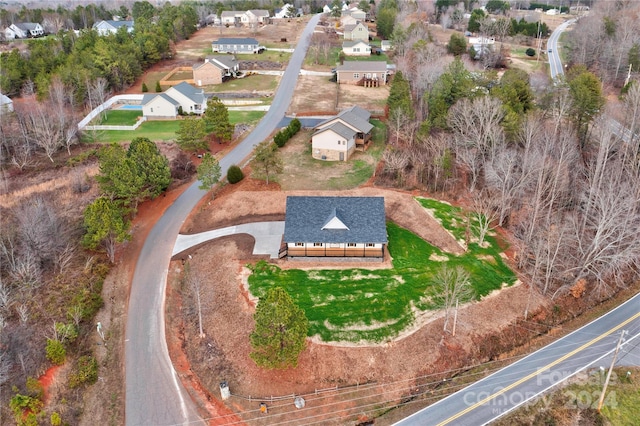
<point>317,244</point>
<point>334,245</point>
<point>374,75</point>
<point>299,244</point>
<point>356,75</point>
<point>356,49</point>
<point>370,245</point>
<point>151,109</point>
<point>351,244</point>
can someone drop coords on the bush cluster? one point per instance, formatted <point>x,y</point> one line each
<point>287,133</point>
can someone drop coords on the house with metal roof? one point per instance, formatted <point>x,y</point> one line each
<point>337,138</point>
<point>168,104</point>
<point>335,227</point>
<point>362,73</point>
<point>236,45</point>
<point>111,27</point>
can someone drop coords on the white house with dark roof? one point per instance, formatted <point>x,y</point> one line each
<point>168,104</point>
<point>236,45</point>
<point>24,30</point>
<point>356,48</point>
<point>335,227</point>
<point>111,27</point>
<point>337,138</point>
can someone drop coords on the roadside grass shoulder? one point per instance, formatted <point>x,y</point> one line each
<point>375,305</point>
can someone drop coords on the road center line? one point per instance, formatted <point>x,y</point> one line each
<point>545,368</point>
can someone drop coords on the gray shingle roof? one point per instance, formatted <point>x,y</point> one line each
<point>339,128</point>
<point>151,96</point>
<point>355,116</point>
<point>349,43</point>
<point>364,216</point>
<point>228,40</point>
<point>27,26</point>
<point>363,66</point>
<point>260,12</point>
<point>193,93</point>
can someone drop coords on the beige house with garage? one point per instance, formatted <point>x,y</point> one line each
<point>337,138</point>
<point>358,31</point>
<point>215,70</point>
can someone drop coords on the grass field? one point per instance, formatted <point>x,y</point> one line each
<point>374,305</point>
<point>161,130</point>
<point>121,117</point>
<point>312,174</point>
<point>250,83</point>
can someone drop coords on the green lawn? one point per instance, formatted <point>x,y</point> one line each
<point>162,130</point>
<point>374,305</point>
<point>121,117</point>
<point>256,82</point>
<point>312,174</point>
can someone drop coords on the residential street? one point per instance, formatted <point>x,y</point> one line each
<point>154,393</point>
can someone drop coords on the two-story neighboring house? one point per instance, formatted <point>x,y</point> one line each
<point>255,16</point>
<point>168,104</point>
<point>335,227</point>
<point>337,138</point>
<point>111,27</point>
<point>357,31</point>
<point>215,69</point>
<point>230,17</point>
<point>236,45</point>
<point>24,30</point>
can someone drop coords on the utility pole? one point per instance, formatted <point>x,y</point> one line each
<point>613,361</point>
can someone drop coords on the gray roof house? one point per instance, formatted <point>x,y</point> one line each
<point>112,27</point>
<point>362,73</point>
<point>168,104</point>
<point>337,138</point>
<point>236,45</point>
<point>24,30</point>
<point>335,227</point>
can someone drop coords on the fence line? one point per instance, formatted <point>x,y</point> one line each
<point>97,110</point>
<point>113,127</point>
<point>335,388</point>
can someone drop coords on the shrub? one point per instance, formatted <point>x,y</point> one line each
<point>56,353</point>
<point>86,371</point>
<point>234,174</point>
<point>55,419</point>
<point>530,52</point>
<point>25,409</point>
<point>295,126</point>
<point>145,89</point>
<point>66,331</point>
<point>35,388</point>
<point>158,88</point>
<point>280,139</point>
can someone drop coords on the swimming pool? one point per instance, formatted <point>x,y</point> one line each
<point>134,107</point>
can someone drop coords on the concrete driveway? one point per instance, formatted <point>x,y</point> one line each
<point>267,236</point>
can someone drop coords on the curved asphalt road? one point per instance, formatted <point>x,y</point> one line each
<point>154,394</point>
<point>555,65</point>
<point>507,389</point>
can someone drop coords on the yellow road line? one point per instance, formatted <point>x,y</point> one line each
<point>546,367</point>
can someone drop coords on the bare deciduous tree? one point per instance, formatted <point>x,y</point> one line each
<point>476,123</point>
<point>450,285</point>
<point>395,162</point>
